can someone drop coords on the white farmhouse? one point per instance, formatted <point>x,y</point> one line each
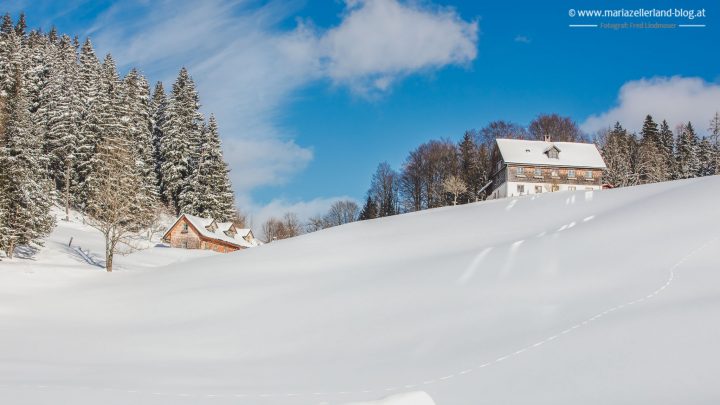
<point>523,167</point>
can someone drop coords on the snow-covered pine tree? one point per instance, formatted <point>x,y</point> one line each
<point>92,99</point>
<point>707,158</point>
<point>158,106</point>
<point>649,132</point>
<point>651,166</point>
<point>667,144</point>
<point>209,193</point>
<point>7,25</point>
<point>137,127</point>
<point>11,61</point>
<point>617,152</point>
<point>688,161</point>
<point>59,108</point>
<point>27,195</point>
<point>21,26</point>
<point>181,133</point>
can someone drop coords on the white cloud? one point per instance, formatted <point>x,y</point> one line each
<point>523,39</point>
<point>248,66</point>
<point>379,41</point>
<point>676,99</point>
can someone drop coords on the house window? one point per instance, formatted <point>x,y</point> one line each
<point>553,153</point>
<point>538,189</point>
<point>555,173</point>
<point>538,172</point>
<point>588,174</point>
<point>520,171</point>
<point>571,173</point>
<point>185,228</point>
<point>520,188</point>
<point>571,188</point>
<point>554,188</point>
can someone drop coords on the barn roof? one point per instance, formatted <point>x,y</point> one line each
<point>571,154</point>
<point>202,225</point>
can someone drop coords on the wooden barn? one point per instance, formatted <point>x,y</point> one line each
<point>193,232</point>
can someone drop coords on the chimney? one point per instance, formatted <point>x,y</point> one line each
<point>547,138</point>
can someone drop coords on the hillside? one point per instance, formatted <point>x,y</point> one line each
<point>564,298</point>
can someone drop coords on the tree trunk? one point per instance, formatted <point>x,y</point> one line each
<point>67,190</point>
<point>108,254</point>
<point>10,248</point>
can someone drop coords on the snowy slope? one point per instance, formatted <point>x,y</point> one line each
<point>563,298</point>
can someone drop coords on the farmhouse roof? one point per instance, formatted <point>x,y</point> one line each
<point>570,154</point>
<point>217,232</point>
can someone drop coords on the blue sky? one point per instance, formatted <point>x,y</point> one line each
<point>312,95</point>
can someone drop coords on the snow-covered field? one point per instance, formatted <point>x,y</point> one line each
<point>611,297</point>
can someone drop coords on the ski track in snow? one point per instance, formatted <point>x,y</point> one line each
<point>469,272</point>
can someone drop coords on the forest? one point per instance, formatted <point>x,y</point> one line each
<point>73,132</point>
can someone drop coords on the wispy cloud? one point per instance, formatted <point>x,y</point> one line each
<point>522,39</point>
<point>676,99</point>
<point>248,65</point>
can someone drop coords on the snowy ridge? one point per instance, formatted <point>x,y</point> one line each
<point>530,293</point>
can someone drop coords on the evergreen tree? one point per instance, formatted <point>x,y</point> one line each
<point>208,192</point>
<point>651,166</point>
<point>666,146</point>
<point>688,161</point>
<point>27,196</point>
<point>158,107</point>
<point>649,132</point>
<point>92,100</point>
<point>58,108</point>
<point>7,25</point>
<point>369,211</point>
<point>137,128</point>
<point>181,133</point>
<point>617,153</point>
<point>707,158</point>
<point>472,168</point>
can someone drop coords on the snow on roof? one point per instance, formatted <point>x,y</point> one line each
<point>572,154</point>
<point>201,225</point>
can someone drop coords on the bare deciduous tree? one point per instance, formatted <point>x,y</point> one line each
<point>342,212</point>
<point>117,206</point>
<point>557,128</point>
<point>284,228</point>
<point>455,186</point>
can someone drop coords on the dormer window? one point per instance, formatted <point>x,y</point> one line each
<point>553,152</point>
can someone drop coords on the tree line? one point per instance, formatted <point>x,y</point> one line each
<point>73,132</point>
<point>441,172</point>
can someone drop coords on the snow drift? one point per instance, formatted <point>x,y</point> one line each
<point>564,298</point>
